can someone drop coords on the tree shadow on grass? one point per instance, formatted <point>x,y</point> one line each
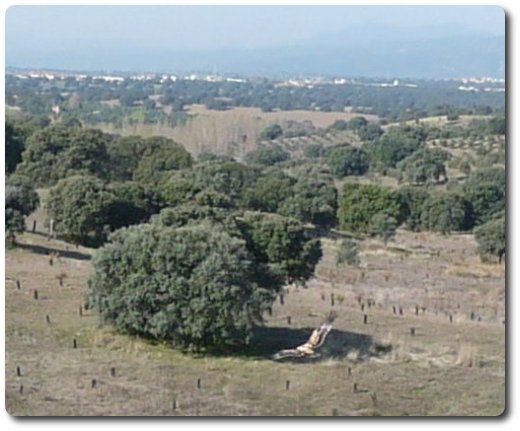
<point>40,249</point>
<point>269,340</point>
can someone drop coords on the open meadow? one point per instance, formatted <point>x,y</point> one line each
<point>433,342</point>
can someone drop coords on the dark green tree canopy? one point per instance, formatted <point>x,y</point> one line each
<point>133,203</point>
<point>190,213</point>
<point>361,202</point>
<point>20,195</point>
<point>20,200</point>
<point>226,181</point>
<point>179,187</point>
<point>14,146</point>
<point>272,132</point>
<point>395,145</point>
<point>486,190</point>
<point>281,243</point>
<point>57,151</point>
<point>425,166</point>
<point>270,191</point>
<point>347,160</point>
<point>43,152</point>
<point>199,277</point>
<point>87,155</point>
<point>160,156</point>
<point>313,150</point>
<point>446,212</point>
<point>192,286</point>
<point>339,125</point>
<point>228,177</point>
<point>81,208</point>
<point>370,132</point>
<point>491,238</point>
<point>126,153</point>
<point>412,199</point>
<point>314,199</point>
<point>267,155</point>
<point>357,123</point>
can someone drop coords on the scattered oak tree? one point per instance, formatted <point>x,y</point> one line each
<point>446,212</point>
<point>160,156</point>
<point>486,190</point>
<point>361,202</point>
<point>425,166</point>
<point>58,151</point>
<point>267,155</point>
<point>347,160</point>
<point>412,199</point>
<point>383,226</point>
<point>491,238</point>
<point>314,199</point>
<point>270,133</point>
<point>80,207</point>
<point>14,146</point>
<point>270,191</point>
<point>20,200</point>
<point>199,283</point>
<point>395,145</point>
<point>191,286</point>
<point>281,243</point>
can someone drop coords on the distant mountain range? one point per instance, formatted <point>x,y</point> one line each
<point>371,51</point>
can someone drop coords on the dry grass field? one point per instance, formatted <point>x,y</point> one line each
<point>233,132</point>
<point>433,342</point>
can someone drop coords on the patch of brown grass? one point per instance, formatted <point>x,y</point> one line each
<point>476,270</point>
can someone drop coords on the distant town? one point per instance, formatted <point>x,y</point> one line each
<point>470,84</point>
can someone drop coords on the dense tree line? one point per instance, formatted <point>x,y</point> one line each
<point>81,98</point>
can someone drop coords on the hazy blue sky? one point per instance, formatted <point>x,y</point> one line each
<point>363,40</point>
<point>211,27</point>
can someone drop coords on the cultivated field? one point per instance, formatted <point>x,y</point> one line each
<point>433,342</point>
<point>233,132</point>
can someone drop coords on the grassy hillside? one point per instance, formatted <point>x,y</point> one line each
<point>452,364</point>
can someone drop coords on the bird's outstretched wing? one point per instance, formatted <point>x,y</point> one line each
<point>315,341</point>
